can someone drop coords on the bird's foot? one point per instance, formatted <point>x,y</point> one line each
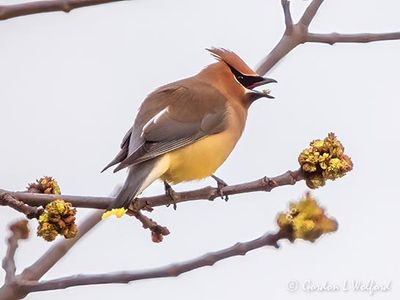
<point>220,185</point>
<point>169,191</point>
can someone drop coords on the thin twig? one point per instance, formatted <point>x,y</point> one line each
<point>207,193</point>
<point>310,12</point>
<point>299,34</point>
<point>8,263</point>
<point>157,231</point>
<point>333,38</point>
<point>19,230</point>
<point>288,16</point>
<point>264,184</point>
<point>37,199</point>
<point>36,7</point>
<point>268,239</point>
<point>8,200</point>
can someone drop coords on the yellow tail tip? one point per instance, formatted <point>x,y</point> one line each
<point>118,212</point>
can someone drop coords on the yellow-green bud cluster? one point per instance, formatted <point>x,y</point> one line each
<point>324,160</point>
<point>306,220</point>
<point>57,219</point>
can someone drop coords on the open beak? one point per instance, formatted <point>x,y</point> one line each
<point>264,93</point>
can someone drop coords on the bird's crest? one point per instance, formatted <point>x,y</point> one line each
<point>231,59</point>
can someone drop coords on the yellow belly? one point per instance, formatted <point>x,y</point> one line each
<point>200,159</point>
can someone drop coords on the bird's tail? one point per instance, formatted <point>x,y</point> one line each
<point>134,184</point>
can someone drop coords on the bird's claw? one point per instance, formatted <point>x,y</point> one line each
<point>169,191</point>
<point>220,185</point>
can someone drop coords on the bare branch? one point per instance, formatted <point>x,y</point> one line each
<point>38,199</point>
<point>207,193</point>
<point>310,12</point>
<point>265,184</point>
<point>29,8</point>
<point>56,252</point>
<point>288,16</point>
<point>333,38</point>
<point>292,37</point>
<point>8,263</point>
<point>157,231</point>
<point>7,200</point>
<point>12,288</point>
<point>283,48</point>
<point>268,239</point>
<point>299,34</point>
<point>19,230</point>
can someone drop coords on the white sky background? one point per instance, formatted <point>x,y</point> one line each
<point>70,88</point>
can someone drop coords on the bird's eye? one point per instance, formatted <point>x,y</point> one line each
<point>240,77</point>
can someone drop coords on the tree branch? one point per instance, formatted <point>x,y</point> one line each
<point>334,37</point>
<point>157,231</point>
<point>310,12</point>
<point>288,16</point>
<point>56,252</point>
<point>30,8</point>
<point>19,231</point>
<point>7,200</point>
<point>8,263</point>
<point>264,184</point>
<point>12,289</point>
<point>268,239</point>
<point>299,34</point>
<point>208,193</point>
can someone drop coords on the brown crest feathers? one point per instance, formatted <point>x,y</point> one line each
<point>231,59</point>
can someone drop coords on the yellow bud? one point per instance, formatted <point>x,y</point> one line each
<point>318,144</point>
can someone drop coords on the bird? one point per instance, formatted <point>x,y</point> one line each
<point>185,130</point>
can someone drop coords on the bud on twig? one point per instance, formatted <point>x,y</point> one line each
<point>324,160</point>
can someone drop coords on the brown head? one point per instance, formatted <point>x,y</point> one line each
<point>239,75</point>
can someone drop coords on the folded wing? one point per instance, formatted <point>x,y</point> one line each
<point>172,117</point>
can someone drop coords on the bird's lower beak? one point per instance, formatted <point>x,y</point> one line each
<point>263,93</point>
<point>262,82</point>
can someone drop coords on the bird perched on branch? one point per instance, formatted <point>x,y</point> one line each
<point>186,129</point>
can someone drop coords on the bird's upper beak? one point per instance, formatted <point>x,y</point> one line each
<point>265,93</point>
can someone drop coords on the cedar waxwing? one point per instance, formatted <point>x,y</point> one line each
<point>186,129</point>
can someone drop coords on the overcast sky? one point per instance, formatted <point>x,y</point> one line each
<point>70,88</point>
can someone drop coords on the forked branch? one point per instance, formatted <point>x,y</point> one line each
<point>298,34</point>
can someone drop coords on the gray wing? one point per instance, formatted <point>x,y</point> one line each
<point>123,153</point>
<point>172,117</point>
